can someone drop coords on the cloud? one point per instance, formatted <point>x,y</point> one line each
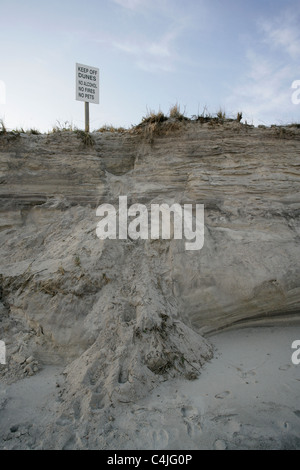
<point>130,4</point>
<point>264,89</point>
<point>264,93</point>
<point>283,35</point>
<point>150,56</point>
<point>129,48</point>
<point>157,53</point>
<point>159,50</point>
<point>154,42</point>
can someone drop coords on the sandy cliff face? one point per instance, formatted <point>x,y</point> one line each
<point>124,314</point>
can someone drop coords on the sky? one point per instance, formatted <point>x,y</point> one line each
<point>204,55</point>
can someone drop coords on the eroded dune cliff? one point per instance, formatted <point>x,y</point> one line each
<point>124,315</point>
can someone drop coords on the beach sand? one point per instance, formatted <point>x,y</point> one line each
<point>247,397</point>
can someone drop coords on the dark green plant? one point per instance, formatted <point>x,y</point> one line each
<point>85,137</point>
<point>3,129</point>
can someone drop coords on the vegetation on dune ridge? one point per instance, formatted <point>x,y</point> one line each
<point>153,123</point>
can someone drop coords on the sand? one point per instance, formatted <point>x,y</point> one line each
<point>106,338</point>
<point>247,397</point>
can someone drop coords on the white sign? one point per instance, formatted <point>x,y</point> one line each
<point>87,83</point>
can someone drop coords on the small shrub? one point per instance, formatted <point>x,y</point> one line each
<point>205,116</point>
<point>19,131</point>
<point>63,127</point>
<point>105,278</point>
<point>2,127</point>
<point>61,270</point>
<point>295,125</point>
<point>239,117</point>
<point>221,115</point>
<point>34,131</point>
<point>175,113</point>
<point>77,261</point>
<point>111,128</point>
<point>153,117</point>
<point>85,137</point>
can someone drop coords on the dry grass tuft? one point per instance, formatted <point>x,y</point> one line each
<point>111,128</point>
<point>176,114</point>
<point>64,126</point>
<point>158,124</point>
<point>3,129</point>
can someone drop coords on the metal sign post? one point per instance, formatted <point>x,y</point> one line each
<point>87,89</point>
<point>87,116</point>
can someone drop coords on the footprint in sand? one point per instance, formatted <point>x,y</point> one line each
<point>222,395</point>
<point>220,445</point>
<point>160,438</point>
<point>189,411</point>
<point>249,376</point>
<point>191,418</point>
<point>285,367</point>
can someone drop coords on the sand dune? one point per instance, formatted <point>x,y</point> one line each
<point>140,343</point>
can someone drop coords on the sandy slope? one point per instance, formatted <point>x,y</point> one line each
<point>127,320</point>
<point>247,397</point>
